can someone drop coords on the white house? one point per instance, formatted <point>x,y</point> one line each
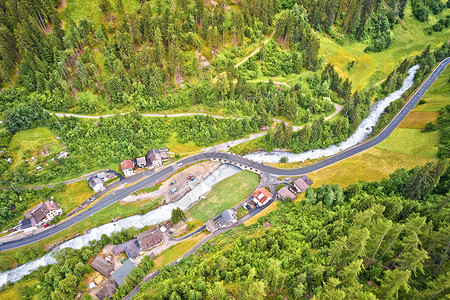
<point>127,168</point>
<point>43,213</point>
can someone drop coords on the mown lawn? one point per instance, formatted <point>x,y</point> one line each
<point>73,195</point>
<point>31,140</point>
<point>408,40</point>
<point>225,194</point>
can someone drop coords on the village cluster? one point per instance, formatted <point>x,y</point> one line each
<point>114,270</point>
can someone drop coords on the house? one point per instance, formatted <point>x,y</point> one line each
<point>107,291</point>
<point>285,194</point>
<point>228,218</point>
<point>149,238</point>
<point>131,248</point>
<point>141,162</point>
<point>211,226</point>
<point>307,180</point>
<point>127,167</point>
<point>123,271</point>
<point>300,184</point>
<point>156,160</point>
<point>102,266</point>
<point>96,184</point>
<point>43,213</point>
<point>262,196</point>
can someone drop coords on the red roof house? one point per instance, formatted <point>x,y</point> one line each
<point>261,196</point>
<point>127,167</point>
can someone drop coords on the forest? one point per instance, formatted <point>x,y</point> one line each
<point>372,240</point>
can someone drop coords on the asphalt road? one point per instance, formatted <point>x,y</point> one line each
<point>113,197</point>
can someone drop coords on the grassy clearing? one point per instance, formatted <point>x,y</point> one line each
<point>418,119</point>
<point>73,195</point>
<point>409,39</point>
<point>186,149</point>
<point>177,251</point>
<point>30,141</point>
<point>225,194</point>
<point>412,142</point>
<point>371,165</point>
<point>438,94</point>
<point>249,146</point>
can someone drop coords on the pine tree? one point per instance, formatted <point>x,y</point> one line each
<point>393,281</point>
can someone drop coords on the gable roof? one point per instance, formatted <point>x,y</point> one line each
<point>141,161</point>
<point>149,238</point>
<point>211,226</point>
<point>307,180</point>
<point>126,164</point>
<point>102,266</point>
<point>284,193</point>
<point>132,249</point>
<point>227,216</point>
<point>150,152</point>
<point>261,195</point>
<point>39,212</point>
<point>107,291</point>
<point>121,247</point>
<point>123,271</point>
<point>301,184</point>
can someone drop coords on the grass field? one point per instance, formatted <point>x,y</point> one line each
<point>73,195</point>
<point>31,140</point>
<point>177,251</point>
<point>412,142</point>
<point>438,95</point>
<point>408,40</point>
<point>225,194</point>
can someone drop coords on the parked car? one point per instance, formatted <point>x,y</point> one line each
<point>191,178</point>
<point>180,164</point>
<point>174,190</point>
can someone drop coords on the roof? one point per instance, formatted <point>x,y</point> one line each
<point>284,193</point>
<point>26,223</point>
<point>141,161</point>
<point>149,238</point>
<point>301,184</point>
<point>101,175</point>
<point>123,271</point>
<point>40,211</point>
<point>262,194</point>
<point>93,181</point>
<point>150,152</point>
<point>132,250</point>
<point>155,156</point>
<point>121,247</point>
<point>126,164</point>
<point>227,216</point>
<point>107,291</point>
<point>102,266</point>
<point>211,226</point>
<point>307,180</point>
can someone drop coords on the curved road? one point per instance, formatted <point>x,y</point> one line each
<point>154,178</point>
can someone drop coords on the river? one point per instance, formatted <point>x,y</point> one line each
<point>153,217</point>
<point>361,133</point>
